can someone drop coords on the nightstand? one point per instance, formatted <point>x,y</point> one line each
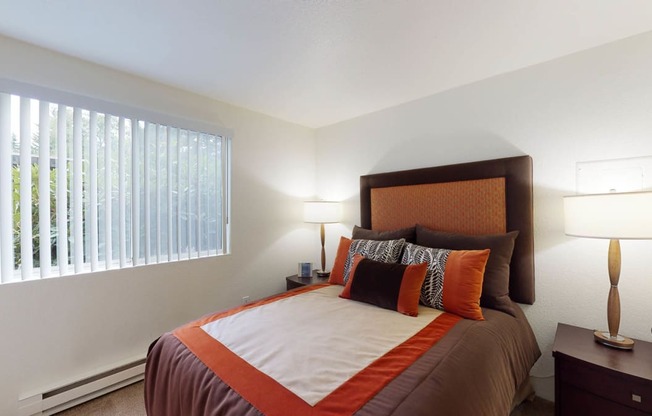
<point>592,379</point>
<point>294,281</point>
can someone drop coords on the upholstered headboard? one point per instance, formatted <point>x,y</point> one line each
<point>486,197</point>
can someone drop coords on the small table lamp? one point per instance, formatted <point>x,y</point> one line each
<point>612,216</point>
<point>322,212</point>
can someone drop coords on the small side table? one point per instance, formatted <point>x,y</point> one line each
<point>294,281</point>
<point>592,379</point>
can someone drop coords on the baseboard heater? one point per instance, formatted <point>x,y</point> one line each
<point>60,398</point>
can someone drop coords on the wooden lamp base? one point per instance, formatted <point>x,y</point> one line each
<point>323,272</point>
<point>611,338</point>
<point>620,342</point>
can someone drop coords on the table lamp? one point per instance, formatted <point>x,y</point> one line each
<point>612,216</point>
<point>322,212</point>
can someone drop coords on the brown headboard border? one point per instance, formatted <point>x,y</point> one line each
<point>517,172</point>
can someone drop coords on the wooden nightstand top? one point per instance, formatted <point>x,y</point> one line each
<point>578,343</point>
<point>295,281</point>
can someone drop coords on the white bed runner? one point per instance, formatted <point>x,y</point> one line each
<point>314,342</point>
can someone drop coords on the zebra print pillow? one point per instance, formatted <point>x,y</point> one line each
<point>453,282</point>
<point>388,251</point>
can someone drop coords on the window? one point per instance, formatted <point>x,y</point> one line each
<point>88,186</point>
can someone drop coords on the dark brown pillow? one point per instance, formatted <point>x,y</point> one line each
<point>409,234</point>
<point>388,285</point>
<point>495,287</point>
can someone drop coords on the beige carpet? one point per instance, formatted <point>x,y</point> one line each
<point>538,407</point>
<point>129,401</point>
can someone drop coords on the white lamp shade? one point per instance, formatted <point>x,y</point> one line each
<point>626,215</point>
<point>322,212</point>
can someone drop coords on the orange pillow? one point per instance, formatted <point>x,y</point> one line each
<point>463,282</point>
<point>337,273</point>
<point>454,279</point>
<point>388,285</point>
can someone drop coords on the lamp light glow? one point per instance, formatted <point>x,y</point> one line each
<point>322,212</point>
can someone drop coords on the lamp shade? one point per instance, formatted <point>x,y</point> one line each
<point>626,215</point>
<point>322,212</point>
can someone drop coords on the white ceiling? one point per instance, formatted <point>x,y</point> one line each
<point>318,62</point>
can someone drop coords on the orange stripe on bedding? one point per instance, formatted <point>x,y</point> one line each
<point>273,399</point>
<point>262,391</point>
<point>362,387</point>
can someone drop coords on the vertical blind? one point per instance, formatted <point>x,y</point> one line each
<point>83,190</point>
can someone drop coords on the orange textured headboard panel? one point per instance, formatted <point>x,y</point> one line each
<point>486,197</point>
<point>469,207</point>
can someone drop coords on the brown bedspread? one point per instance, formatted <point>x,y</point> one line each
<point>475,369</point>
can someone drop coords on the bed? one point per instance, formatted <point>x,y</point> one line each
<point>313,351</point>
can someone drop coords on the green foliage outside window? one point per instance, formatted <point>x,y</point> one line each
<point>51,241</point>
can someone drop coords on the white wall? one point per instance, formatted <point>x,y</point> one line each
<point>59,329</point>
<point>588,106</point>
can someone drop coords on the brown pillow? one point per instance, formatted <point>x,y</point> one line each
<point>409,234</point>
<point>388,285</point>
<point>495,286</point>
